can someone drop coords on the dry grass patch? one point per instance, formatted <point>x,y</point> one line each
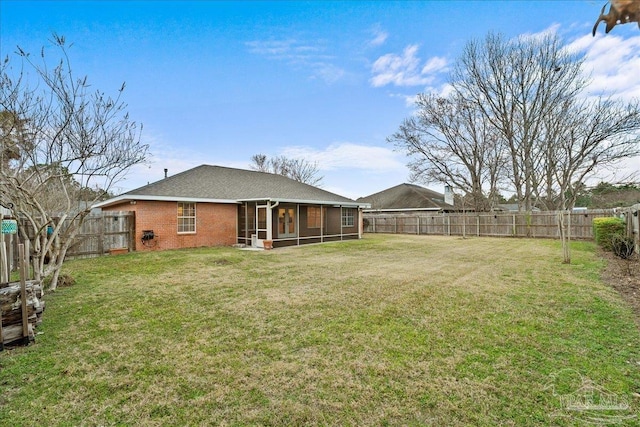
<point>389,330</point>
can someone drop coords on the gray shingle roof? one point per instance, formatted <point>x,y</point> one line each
<point>223,183</point>
<point>406,196</point>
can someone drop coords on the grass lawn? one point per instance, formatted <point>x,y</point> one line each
<point>388,330</point>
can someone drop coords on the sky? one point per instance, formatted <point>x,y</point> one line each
<point>217,82</point>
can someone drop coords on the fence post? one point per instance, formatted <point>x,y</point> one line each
<point>478,225</point>
<point>101,223</point>
<point>4,261</point>
<point>418,225</point>
<point>23,295</point>
<point>131,217</point>
<point>1,335</point>
<point>514,225</point>
<point>635,227</point>
<point>27,254</point>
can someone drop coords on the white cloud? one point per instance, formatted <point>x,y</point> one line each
<point>348,155</point>
<point>328,72</point>
<point>613,64</point>
<point>290,49</point>
<point>405,70</point>
<point>312,57</point>
<point>379,37</point>
<point>443,91</point>
<point>351,169</point>
<point>410,100</point>
<point>539,36</point>
<point>434,65</point>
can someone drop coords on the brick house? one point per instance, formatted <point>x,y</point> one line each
<point>221,206</point>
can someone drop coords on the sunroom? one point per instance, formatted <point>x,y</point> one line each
<point>277,223</point>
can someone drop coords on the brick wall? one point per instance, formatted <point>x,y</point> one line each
<point>215,224</point>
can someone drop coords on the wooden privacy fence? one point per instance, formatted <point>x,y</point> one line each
<point>101,234</point>
<point>632,216</point>
<point>495,224</point>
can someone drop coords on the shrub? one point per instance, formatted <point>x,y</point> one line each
<point>63,280</point>
<point>622,246</point>
<point>605,228</point>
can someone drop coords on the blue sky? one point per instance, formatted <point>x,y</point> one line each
<point>216,82</point>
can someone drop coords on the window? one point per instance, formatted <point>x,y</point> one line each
<point>186,217</point>
<point>315,216</point>
<point>348,217</point>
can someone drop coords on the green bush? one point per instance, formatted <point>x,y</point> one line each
<point>604,229</point>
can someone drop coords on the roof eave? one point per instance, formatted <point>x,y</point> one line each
<point>141,197</point>
<point>403,210</point>
<point>310,202</point>
<point>136,197</point>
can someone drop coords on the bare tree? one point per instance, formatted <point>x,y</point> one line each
<point>451,143</point>
<point>516,85</point>
<point>297,169</point>
<point>12,130</point>
<point>529,95</point>
<point>260,163</point>
<point>585,137</point>
<point>68,146</point>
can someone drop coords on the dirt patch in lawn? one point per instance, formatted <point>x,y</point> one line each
<point>624,276</point>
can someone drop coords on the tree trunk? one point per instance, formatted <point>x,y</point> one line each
<point>564,237</point>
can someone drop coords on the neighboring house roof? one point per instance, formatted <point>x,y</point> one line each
<point>406,197</point>
<point>220,184</point>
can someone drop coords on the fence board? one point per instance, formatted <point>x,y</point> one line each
<point>100,233</point>
<point>103,232</point>
<point>498,224</point>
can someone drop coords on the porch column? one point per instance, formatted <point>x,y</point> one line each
<point>321,224</point>
<point>269,221</point>
<point>247,236</point>
<point>341,214</point>
<point>298,223</point>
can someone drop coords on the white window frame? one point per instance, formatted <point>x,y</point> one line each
<point>182,217</point>
<point>348,217</point>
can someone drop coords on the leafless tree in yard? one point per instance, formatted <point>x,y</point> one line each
<point>450,143</point>
<point>547,136</point>
<point>297,169</point>
<point>67,144</point>
<point>516,85</point>
<point>589,136</point>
